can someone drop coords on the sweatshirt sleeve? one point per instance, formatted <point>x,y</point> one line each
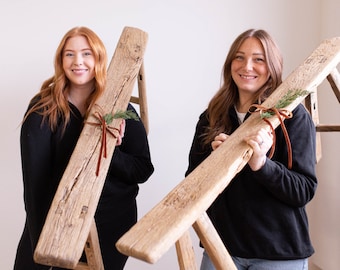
<point>297,186</point>
<point>197,152</point>
<point>131,161</point>
<point>35,142</point>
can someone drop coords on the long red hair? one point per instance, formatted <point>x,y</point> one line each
<point>51,101</point>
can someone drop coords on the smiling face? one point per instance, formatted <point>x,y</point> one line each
<point>79,62</point>
<point>249,68</point>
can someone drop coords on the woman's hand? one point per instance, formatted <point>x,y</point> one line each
<point>260,142</point>
<point>121,133</point>
<point>219,139</point>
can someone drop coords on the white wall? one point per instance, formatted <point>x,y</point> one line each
<point>188,42</point>
<point>325,208</point>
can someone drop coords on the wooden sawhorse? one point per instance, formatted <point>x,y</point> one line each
<point>92,247</point>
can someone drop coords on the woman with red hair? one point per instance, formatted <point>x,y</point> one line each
<point>49,133</point>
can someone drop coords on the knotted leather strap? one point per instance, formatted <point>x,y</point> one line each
<point>105,128</point>
<point>280,113</point>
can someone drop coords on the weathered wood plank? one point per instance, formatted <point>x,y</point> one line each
<point>185,253</point>
<point>327,128</point>
<point>72,211</point>
<point>163,225</point>
<point>213,244</point>
<point>82,266</point>
<point>311,103</point>
<point>92,249</point>
<point>142,100</point>
<point>334,80</point>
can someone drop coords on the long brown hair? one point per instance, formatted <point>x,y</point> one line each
<point>227,96</point>
<point>51,101</point>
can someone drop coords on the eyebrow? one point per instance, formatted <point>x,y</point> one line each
<point>70,50</point>
<point>252,53</point>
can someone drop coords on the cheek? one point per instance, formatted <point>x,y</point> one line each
<point>91,62</point>
<point>268,75</point>
<point>93,67</point>
<point>65,64</point>
<point>93,70</point>
<point>265,70</point>
<point>233,68</point>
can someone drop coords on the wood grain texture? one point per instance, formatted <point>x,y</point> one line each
<point>72,211</point>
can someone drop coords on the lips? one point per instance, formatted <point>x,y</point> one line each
<point>79,71</point>
<point>248,77</point>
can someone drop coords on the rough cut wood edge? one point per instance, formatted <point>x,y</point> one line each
<point>163,225</point>
<point>72,211</point>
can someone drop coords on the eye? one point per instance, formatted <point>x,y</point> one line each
<point>69,54</point>
<point>239,57</point>
<point>259,59</point>
<point>87,53</point>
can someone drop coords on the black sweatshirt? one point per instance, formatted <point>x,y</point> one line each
<point>45,155</point>
<point>262,214</point>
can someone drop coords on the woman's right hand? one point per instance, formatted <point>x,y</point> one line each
<point>219,139</point>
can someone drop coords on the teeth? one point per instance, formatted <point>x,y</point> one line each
<point>248,77</point>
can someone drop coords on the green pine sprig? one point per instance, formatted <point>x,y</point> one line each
<point>129,114</point>
<point>285,101</point>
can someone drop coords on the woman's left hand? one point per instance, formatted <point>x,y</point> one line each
<point>121,133</point>
<point>260,142</point>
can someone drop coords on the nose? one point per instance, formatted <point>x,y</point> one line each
<point>78,60</point>
<point>248,64</point>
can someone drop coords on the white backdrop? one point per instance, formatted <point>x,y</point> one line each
<point>188,42</point>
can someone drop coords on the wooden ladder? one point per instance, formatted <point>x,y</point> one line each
<point>168,222</point>
<point>92,248</point>
<point>311,103</point>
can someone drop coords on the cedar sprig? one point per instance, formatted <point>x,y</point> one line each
<point>129,114</point>
<point>285,101</point>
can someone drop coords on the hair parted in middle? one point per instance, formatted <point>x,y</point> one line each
<point>52,98</point>
<point>227,96</point>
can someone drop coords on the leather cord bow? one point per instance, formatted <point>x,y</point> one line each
<point>104,128</point>
<point>279,113</point>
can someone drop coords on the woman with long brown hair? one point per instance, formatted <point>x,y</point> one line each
<point>49,133</point>
<point>260,216</point>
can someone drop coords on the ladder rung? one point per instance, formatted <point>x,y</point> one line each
<point>327,128</point>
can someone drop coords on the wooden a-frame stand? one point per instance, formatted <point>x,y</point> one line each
<point>92,247</point>
<point>168,222</point>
